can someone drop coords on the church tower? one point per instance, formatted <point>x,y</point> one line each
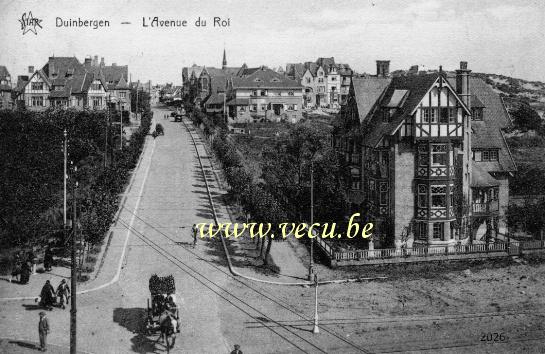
<point>224,62</point>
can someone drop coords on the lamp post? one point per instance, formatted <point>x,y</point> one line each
<point>311,262</point>
<point>65,176</point>
<point>316,330</point>
<point>73,280</point>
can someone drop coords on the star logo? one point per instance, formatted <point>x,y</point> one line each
<point>29,23</point>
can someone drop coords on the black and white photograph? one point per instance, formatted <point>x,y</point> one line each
<point>238,176</point>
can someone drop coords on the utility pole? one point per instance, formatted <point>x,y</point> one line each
<point>121,127</point>
<point>106,136</point>
<point>316,330</point>
<point>73,341</point>
<point>65,176</point>
<point>311,262</point>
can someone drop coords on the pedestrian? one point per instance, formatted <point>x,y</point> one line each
<point>47,296</point>
<point>33,260</point>
<point>43,331</point>
<point>17,268</point>
<point>48,259</point>
<point>237,350</point>
<point>26,268</point>
<point>194,230</point>
<point>63,291</point>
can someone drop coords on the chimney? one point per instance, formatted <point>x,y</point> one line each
<point>95,60</point>
<point>31,70</point>
<point>87,62</point>
<point>102,62</point>
<point>383,68</point>
<point>462,84</point>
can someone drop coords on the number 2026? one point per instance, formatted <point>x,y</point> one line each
<point>493,337</point>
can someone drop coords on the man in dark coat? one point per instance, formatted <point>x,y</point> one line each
<point>43,331</point>
<point>47,295</point>
<point>237,350</point>
<point>48,259</point>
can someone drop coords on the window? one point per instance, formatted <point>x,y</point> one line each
<point>439,155</point>
<point>433,115</point>
<point>292,107</point>
<point>254,108</point>
<point>422,230</point>
<point>290,93</point>
<point>452,113</point>
<point>321,89</point>
<point>320,79</point>
<point>308,80</point>
<point>383,193</point>
<point>422,196</point>
<point>438,196</point>
<point>443,118</point>
<point>95,87</point>
<point>485,155</point>
<point>97,101</point>
<point>333,78</point>
<point>242,109</point>
<point>38,101</point>
<point>254,93</point>
<point>425,115</point>
<point>264,93</point>
<point>477,114</point>
<point>122,94</point>
<point>37,86</point>
<point>438,230</point>
<point>263,107</point>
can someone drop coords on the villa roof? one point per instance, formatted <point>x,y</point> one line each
<point>265,78</point>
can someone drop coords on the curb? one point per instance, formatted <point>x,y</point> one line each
<point>228,256</point>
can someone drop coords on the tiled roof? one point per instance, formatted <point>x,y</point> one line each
<point>215,98</point>
<point>3,72</point>
<point>265,78</point>
<point>295,70</point>
<point>367,92</point>
<point>480,177</point>
<point>114,74</point>
<point>417,86</point>
<point>218,83</point>
<point>487,133</point>
<point>238,102</point>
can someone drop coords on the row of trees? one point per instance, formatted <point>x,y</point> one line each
<point>281,193</point>
<point>31,177</point>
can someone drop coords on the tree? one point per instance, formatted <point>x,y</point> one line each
<point>526,118</point>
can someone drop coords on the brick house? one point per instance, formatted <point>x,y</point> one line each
<point>261,94</point>
<point>427,156</point>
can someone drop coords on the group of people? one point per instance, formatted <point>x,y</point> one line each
<point>48,295</point>
<point>24,265</point>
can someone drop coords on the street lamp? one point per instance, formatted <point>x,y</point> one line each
<point>311,263</point>
<point>316,330</point>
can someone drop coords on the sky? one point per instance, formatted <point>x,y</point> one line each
<point>503,37</point>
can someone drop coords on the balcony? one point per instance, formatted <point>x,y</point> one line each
<point>487,208</point>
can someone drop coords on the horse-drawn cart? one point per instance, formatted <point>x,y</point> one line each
<point>163,312</point>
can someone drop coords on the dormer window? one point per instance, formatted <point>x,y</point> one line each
<point>477,114</point>
<point>290,93</point>
<point>258,80</point>
<point>277,80</point>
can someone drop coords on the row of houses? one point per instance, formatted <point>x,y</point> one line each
<point>66,82</point>
<point>244,94</point>
<point>428,160</point>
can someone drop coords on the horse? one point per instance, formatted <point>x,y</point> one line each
<point>168,327</point>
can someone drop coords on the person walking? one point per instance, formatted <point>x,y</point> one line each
<point>17,268</point>
<point>43,331</point>
<point>194,230</point>
<point>48,259</point>
<point>33,260</point>
<point>47,296</point>
<point>63,291</point>
<point>236,350</point>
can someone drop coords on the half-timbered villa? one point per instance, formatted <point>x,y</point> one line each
<point>427,156</point>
